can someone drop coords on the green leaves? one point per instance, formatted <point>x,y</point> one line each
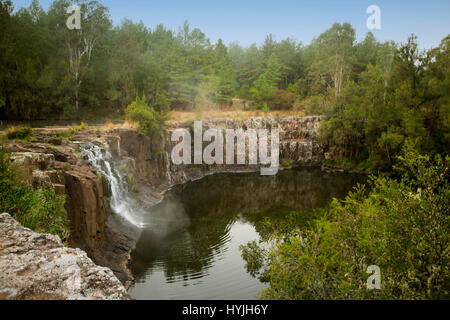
<point>389,103</point>
<point>266,85</point>
<point>41,210</point>
<point>150,122</point>
<point>402,226</point>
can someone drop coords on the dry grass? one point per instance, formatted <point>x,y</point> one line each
<point>19,132</point>
<point>109,126</point>
<point>232,114</point>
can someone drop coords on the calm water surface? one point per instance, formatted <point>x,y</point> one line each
<point>191,249</point>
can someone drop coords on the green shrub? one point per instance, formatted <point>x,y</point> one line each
<point>20,133</point>
<point>314,105</point>
<point>286,164</point>
<point>340,163</point>
<point>150,122</point>
<point>366,165</point>
<point>283,100</point>
<point>40,210</point>
<point>402,226</point>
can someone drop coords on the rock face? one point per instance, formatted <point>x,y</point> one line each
<point>60,167</point>
<point>38,266</point>
<point>84,191</point>
<point>84,205</point>
<point>298,145</point>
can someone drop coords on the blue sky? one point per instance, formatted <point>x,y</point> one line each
<point>249,21</point>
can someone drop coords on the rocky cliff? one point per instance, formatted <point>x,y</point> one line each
<point>59,165</point>
<point>298,146</point>
<point>37,266</point>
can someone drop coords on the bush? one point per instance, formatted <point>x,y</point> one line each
<point>402,226</point>
<point>286,164</point>
<point>283,100</point>
<point>150,122</point>
<point>40,210</point>
<point>314,105</point>
<point>21,133</point>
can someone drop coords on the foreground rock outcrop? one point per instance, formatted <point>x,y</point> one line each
<point>38,266</point>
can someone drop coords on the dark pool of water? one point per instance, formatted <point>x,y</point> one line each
<point>191,249</point>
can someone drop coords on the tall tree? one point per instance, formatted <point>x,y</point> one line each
<point>266,85</point>
<point>333,51</point>
<point>227,77</point>
<point>81,42</point>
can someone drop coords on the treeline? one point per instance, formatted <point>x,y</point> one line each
<point>49,71</point>
<point>387,104</point>
<point>374,94</point>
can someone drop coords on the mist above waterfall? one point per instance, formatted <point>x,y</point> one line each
<point>161,219</point>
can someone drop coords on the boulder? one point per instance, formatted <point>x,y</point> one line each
<point>41,178</point>
<point>27,163</point>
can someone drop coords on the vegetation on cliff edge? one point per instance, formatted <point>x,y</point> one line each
<point>41,209</point>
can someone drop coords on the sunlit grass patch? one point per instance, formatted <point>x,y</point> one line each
<point>230,114</point>
<point>109,125</point>
<point>19,133</point>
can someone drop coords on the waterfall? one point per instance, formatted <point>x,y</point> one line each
<point>121,202</point>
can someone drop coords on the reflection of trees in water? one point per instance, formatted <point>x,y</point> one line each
<point>226,194</point>
<point>192,223</point>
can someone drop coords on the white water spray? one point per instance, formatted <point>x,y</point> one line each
<point>121,202</point>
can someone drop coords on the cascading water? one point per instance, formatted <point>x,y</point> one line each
<point>121,201</point>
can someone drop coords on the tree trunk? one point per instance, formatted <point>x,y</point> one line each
<point>77,107</point>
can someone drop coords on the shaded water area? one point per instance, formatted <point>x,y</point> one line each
<point>191,248</point>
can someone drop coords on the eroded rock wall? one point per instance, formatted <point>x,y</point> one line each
<point>298,146</point>
<point>84,191</point>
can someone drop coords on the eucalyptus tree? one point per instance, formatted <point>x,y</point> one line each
<point>80,43</point>
<point>333,52</point>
